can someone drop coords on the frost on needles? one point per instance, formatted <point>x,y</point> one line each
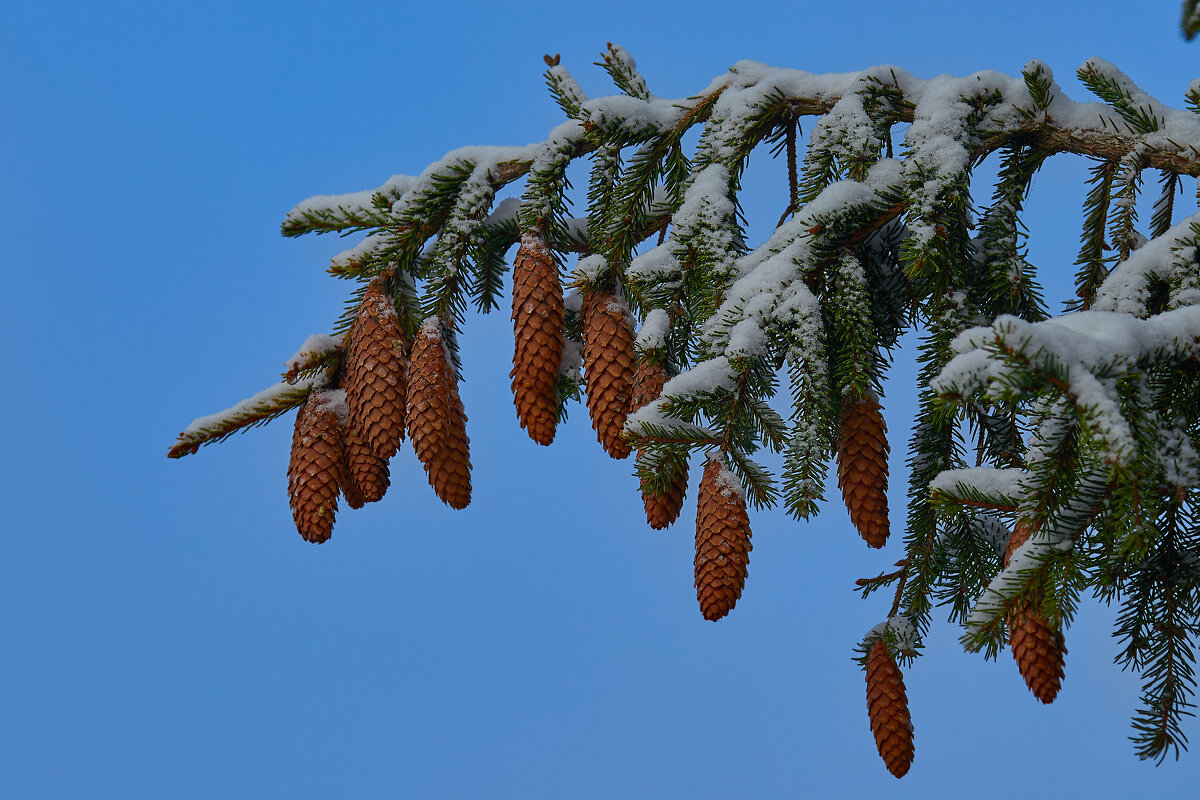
<point>1081,473</point>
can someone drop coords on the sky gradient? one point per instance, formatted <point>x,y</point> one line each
<point>166,633</point>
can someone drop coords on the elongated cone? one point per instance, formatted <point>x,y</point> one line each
<point>437,423</point>
<point>315,467</point>
<point>661,510</point>
<point>608,363</point>
<point>539,333</point>
<point>1039,650</point>
<point>887,708</point>
<point>366,472</point>
<point>350,491</point>
<point>863,468</point>
<point>722,541</point>
<point>376,372</point>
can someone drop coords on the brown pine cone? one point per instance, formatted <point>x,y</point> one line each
<point>887,708</point>
<point>437,423</point>
<point>722,541</point>
<point>537,314</point>
<point>608,363</point>
<point>863,468</point>
<point>1020,536</point>
<point>315,467</point>
<point>376,372</point>
<point>1039,650</point>
<point>366,472</point>
<point>663,509</point>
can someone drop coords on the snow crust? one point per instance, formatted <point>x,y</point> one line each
<point>989,481</point>
<point>653,334</point>
<point>1082,346</point>
<point>315,346</point>
<point>270,397</point>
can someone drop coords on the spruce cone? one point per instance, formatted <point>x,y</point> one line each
<point>722,541</point>
<point>863,468</point>
<point>437,423</point>
<point>1020,536</point>
<point>315,467</point>
<point>376,372</point>
<point>608,362</point>
<point>537,315</point>
<point>887,708</point>
<point>366,472</point>
<point>1038,649</point>
<point>663,509</point>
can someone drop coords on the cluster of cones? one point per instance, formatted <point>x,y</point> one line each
<point>345,436</point>
<point>618,383</point>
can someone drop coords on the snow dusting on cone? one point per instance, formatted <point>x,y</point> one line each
<point>315,465</point>
<point>887,708</point>
<point>862,468</point>
<point>1039,650</point>
<point>376,372</point>
<point>661,510</point>
<point>437,423</point>
<point>722,540</point>
<point>537,315</point>
<point>608,363</point>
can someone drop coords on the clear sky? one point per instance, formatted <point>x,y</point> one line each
<point>164,631</point>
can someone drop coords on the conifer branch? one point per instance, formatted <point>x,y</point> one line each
<point>1084,427</point>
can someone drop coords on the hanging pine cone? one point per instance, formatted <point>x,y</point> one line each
<point>661,510</point>
<point>315,466</point>
<point>537,314</point>
<point>376,372</point>
<point>887,708</point>
<point>863,468</point>
<point>722,541</point>
<point>1039,650</point>
<point>1020,536</point>
<point>437,423</point>
<point>608,363</point>
<point>365,471</point>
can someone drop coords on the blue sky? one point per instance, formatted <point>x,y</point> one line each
<point>166,633</point>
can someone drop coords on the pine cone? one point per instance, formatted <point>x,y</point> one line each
<point>315,467</point>
<point>376,372</point>
<point>661,510</point>
<point>437,423</point>
<point>1020,536</point>
<point>1038,649</point>
<point>722,541</point>
<point>863,468</point>
<point>537,315</point>
<point>608,362</point>
<point>887,708</point>
<point>364,470</point>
